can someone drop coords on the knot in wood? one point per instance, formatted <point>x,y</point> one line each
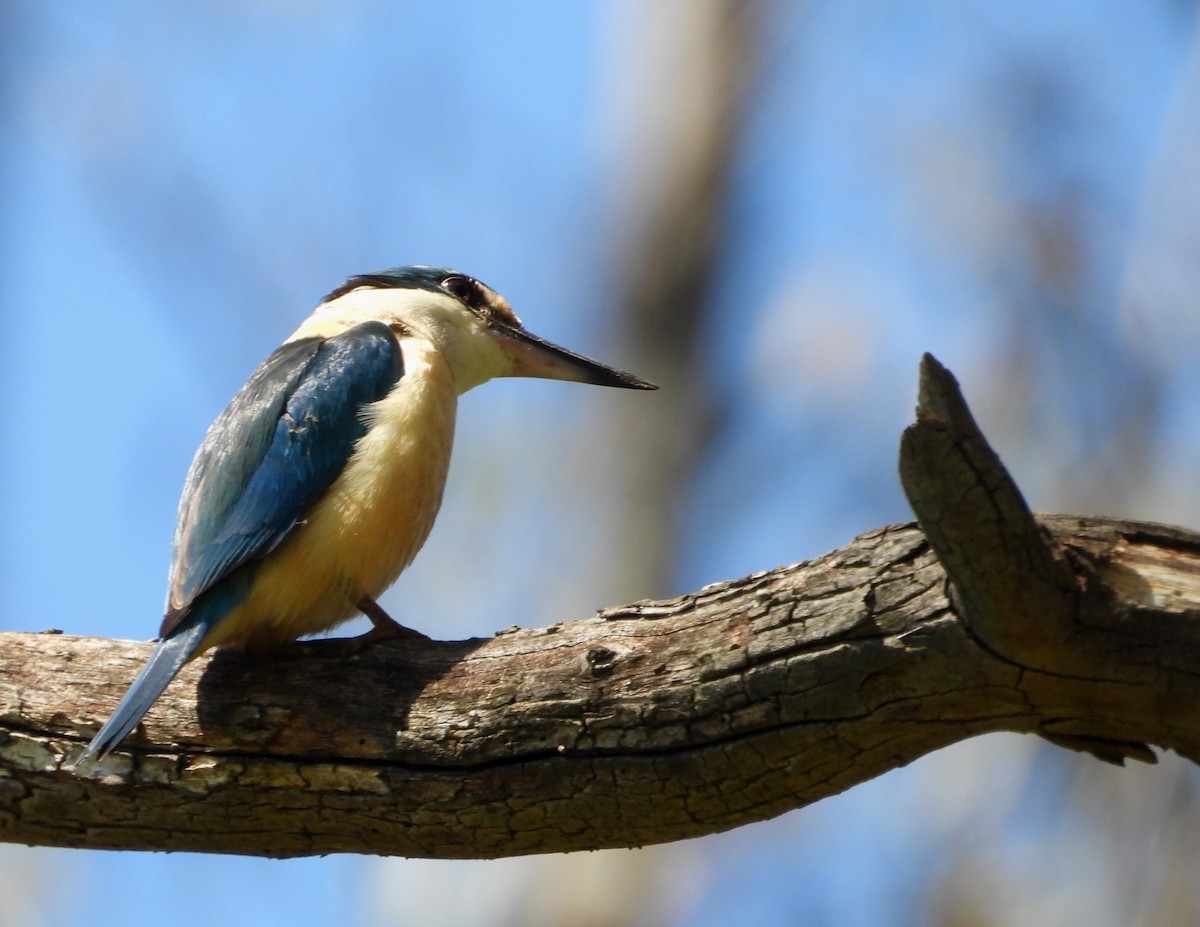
<point>601,661</point>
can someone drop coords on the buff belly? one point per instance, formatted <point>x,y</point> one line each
<point>368,526</point>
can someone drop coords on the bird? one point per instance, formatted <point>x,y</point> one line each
<point>321,479</point>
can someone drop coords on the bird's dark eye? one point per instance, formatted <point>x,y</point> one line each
<point>463,288</point>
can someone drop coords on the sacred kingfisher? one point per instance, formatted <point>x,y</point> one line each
<point>320,481</point>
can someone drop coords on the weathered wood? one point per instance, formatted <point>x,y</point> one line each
<point>643,724</point>
<point>1013,584</point>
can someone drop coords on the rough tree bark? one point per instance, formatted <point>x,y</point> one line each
<point>645,723</point>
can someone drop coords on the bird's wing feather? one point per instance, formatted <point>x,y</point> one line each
<point>273,452</point>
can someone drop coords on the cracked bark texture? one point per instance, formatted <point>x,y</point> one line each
<point>646,723</point>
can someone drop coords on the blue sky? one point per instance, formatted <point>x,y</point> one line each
<point>181,184</point>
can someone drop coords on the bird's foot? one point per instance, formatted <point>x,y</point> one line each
<point>383,626</point>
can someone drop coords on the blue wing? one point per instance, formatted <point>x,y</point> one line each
<point>267,458</point>
<point>273,452</point>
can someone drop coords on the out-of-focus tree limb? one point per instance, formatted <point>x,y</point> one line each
<point>646,723</point>
<point>694,91</point>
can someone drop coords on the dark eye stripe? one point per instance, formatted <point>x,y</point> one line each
<point>469,291</point>
<point>381,281</point>
<point>464,288</point>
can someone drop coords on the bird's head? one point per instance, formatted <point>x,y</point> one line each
<point>469,322</point>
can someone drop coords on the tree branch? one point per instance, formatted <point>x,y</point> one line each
<point>646,723</point>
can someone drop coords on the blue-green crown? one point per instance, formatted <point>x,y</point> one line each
<point>412,277</point>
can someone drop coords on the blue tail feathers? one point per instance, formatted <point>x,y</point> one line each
<point>168,658</point>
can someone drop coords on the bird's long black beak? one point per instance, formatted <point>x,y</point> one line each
<point>535,357</point>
